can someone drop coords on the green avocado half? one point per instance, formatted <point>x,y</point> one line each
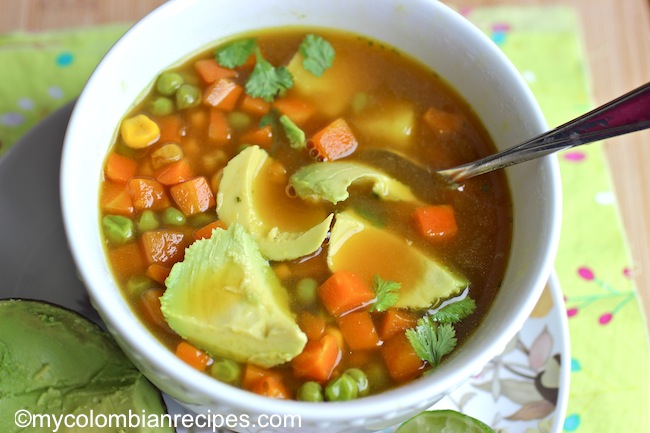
<point>55,362</point>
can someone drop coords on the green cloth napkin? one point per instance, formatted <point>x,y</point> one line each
<point>610,355</point>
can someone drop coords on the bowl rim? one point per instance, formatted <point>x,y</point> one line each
<point>383,404</point>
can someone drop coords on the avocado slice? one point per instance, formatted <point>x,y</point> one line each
<point>54,361</point>
<point>330,181</point>
<point>225,298</point>
<point>358,246</point>
<point>248,193</point>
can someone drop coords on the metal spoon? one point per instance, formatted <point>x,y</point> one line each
<point>625,114</point>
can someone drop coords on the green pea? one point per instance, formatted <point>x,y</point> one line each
<point>187,96</point>
<point>138,284</point>
<point>361,380</point>
<point>343,388</point>
<point>161,106</point>
<point>310,391</point>
<point>307,290</point>
<point>168,83</point>
<point>239,121</point>
<point>148,221</point>
<point>118,229</point>
<point>226,370</point>
<point>359,101</point>
<point>173,216</point>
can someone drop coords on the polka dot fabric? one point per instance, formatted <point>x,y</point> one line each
<point>41,72</point>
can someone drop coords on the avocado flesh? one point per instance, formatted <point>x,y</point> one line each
<point>358,246</point>
<point>330,181</point>
<point>225,298</point>
<point>54,361</point>
<point>243,191</point>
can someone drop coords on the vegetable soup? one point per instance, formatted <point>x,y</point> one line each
<point>254,228</point>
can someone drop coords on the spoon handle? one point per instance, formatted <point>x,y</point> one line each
<point>627,113</point>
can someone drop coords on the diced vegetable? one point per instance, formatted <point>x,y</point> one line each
<point>128,257</point>
<point>264,382</point>
<point>206,231</point>
<point>436,221</point>
<point>334,141</point>
<point>175,173</point>
<point>263,137</point>
<point>192,355</point>
<point>115,199</point>
<point>254,106</point>
<point>170,129</point>
<point>164,247</point>
<point>318,359</point>
<point>150,300</point>
<point>120,168</point>
<point>313,326</point>
<point>400,358</point>
<point>223,94</point>
<point>359,331</point>
<point>271,386</point>
<point>147,193</point>
<point>344,292</point>
<point>394,321</point>
<point>253,373</point>
<point>219,129</point>
<point>442,122</point>
<point>158,273</point>
<point>210,71</point>
<point>193,196</point>
<point>296,109</point>
<point>391,123</point>
<point>139,131</point>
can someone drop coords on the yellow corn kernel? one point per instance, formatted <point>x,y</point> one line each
<point>139,131</point>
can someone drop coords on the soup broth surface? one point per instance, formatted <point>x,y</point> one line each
<point>163,192</point>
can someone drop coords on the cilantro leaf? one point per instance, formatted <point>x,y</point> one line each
<point>432,341</point>
<point>236,53</point>
<point>267,81</point>
<point>317,53</point>
<point>455,312</point>
<point>387,293</point>
<point>296,136</point>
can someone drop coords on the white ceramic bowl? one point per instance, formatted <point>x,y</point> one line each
<point>427,30</point>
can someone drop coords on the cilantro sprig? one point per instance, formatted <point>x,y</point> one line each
<point>434,335</point>
<point>317,53</point>
<point>236,53</point>
<point>387,293</point>
<point>267,81</point>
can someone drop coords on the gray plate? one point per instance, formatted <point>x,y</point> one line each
<point>35,262</point>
